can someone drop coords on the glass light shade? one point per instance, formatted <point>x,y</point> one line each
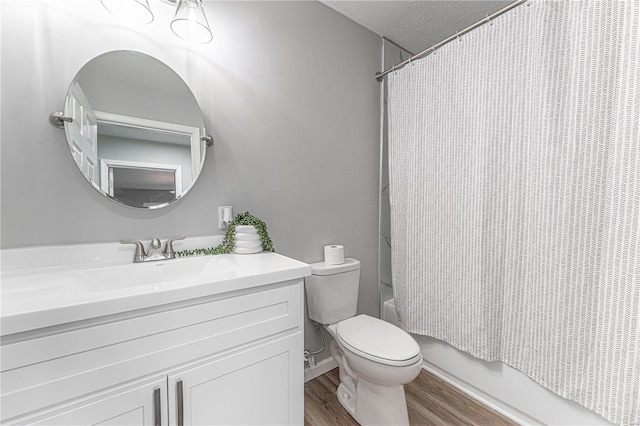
<point>135,11</point>
<point>190,22</point>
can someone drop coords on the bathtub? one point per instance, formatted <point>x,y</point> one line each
<point>496,384</point>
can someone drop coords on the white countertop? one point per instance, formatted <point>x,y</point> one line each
<point>50,294</point>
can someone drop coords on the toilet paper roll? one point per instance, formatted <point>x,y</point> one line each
<point>334,254</point>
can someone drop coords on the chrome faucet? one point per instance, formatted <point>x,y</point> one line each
<point>155,251</point>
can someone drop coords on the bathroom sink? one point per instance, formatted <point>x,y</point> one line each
<point>40,297</point>
<point>63,281</point>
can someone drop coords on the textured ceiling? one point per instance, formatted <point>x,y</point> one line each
<point>416,25</point>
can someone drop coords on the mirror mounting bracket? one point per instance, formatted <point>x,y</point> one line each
<point>208,139</point>
<point>57,119</point>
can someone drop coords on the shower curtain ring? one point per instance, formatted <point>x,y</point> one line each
<point>488,20</point>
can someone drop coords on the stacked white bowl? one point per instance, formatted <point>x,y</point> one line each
<point>247,240</point>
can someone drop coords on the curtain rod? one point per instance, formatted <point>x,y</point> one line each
<point>380,75</point>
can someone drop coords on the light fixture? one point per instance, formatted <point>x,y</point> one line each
<point>190,22</point>
<point>135,11</point>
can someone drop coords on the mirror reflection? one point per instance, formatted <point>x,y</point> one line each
<point>136,129</point>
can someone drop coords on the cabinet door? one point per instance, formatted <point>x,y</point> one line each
<point>142,404</point>
<point>261,385</point>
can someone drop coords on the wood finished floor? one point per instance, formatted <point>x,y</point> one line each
<point>430,401</point>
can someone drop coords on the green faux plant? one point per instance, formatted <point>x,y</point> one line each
<point>228,243</point>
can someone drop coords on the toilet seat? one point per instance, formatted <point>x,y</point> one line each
<point>378,341</point>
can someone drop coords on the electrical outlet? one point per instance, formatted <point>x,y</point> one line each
<point>225,215</point>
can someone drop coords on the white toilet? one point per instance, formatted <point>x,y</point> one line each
<point>376,358</point>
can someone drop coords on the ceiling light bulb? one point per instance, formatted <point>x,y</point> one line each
<point>190,22</point>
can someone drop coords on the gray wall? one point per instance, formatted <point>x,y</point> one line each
<point>286,88</point>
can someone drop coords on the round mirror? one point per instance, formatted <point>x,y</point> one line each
<point>134,129</point>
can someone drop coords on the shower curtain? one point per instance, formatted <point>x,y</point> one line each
<point>514,156</point>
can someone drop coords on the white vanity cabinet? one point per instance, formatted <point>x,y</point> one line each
<point>133,406</point>
<point>252,387</point>
<point>230,357</point>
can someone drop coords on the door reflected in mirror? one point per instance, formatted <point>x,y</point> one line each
<point>140,186</point>
<point>137,129</point>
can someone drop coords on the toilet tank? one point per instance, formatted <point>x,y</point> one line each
<point>332,291</point>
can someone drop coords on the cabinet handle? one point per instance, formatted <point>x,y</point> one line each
<point>180,403</point>
<point>157,408</point>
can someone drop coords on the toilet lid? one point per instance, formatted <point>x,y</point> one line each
<point>378,340</point>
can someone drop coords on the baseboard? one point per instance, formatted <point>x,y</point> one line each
<point>322,367</point>
<point>482,397</point>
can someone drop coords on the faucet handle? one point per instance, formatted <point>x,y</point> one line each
<point>168,247</point>
<point>154,244</point>
<point>140,254</point>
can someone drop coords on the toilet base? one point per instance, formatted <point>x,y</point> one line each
<point>367,402</point>
<point>374,404</point>
<point>347,399</point>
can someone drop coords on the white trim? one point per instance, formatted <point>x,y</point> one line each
<point>142,123</point>
<point>482,397</point>
<point>106,164</point>
<point>321,368</point>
